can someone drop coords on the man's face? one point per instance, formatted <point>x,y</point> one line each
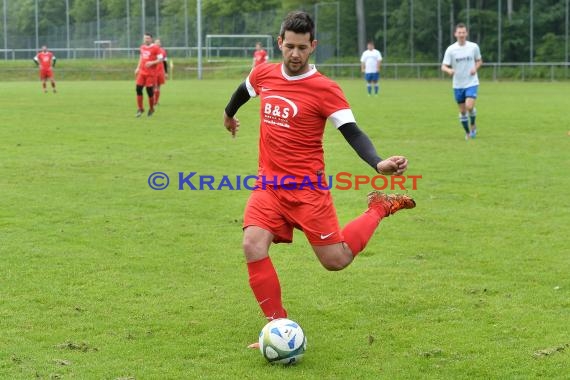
<point>157,42</point>
<point>44,48</point>
<point>296,49</point>
<point>370,46</point>
<point>461,35</point>
<point>147,39</point>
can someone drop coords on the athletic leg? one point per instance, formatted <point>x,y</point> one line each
<point>263,278</point>
<point>357,233</point>
<point>150,93</point>
<point>464,119</point>
<point>470,107</point>
<point>140,108</point>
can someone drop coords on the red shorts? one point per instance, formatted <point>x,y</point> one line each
<point>46,74</point>
<point>160,79</point>
<point>146,80</point>
<point>279,210</point>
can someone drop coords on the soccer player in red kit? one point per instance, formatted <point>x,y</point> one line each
<point>46,61</point>
<point>296,101</point>
<point>146,73</point>
<point>161,72</point>
<point>259,55</point>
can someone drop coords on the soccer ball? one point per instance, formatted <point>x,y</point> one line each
<point>282,341</point>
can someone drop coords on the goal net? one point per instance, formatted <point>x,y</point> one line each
<point>221,47</point>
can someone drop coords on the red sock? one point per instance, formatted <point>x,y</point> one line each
<point>151,103</point>
<point>358,232</point>
<point>140,102</point>
<point>156,96</point>
<point>266,288</point>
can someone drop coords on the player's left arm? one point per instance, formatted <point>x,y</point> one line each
<point>478,64</point>
<point>478,60</point>
<point>364,147</point>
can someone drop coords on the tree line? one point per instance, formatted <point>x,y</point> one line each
<point>408,30</point>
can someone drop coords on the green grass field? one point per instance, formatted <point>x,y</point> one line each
<point>103,278</point>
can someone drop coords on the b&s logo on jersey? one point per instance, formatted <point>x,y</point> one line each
<point>278,110</point>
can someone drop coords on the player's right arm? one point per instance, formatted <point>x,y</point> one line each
<point>138,66</point>
<point>238,99</point>
<point>446,64</point>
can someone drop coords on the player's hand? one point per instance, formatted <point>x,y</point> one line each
<point>231,124</point>
<point>148,64</point>
<point>473,71</point>
<point>451,72</point>
<point>166,75</point>
<point>394,165</point>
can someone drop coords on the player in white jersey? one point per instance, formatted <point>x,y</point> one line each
<point>461,61</point>
<point>371,60</point>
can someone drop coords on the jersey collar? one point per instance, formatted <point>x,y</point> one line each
<point>312,70</point>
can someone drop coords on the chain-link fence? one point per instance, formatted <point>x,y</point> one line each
<point>406,32</point>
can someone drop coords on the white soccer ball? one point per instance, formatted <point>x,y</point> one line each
<point>282,341</point>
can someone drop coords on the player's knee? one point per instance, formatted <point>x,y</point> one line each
<point>139,90</point>
<point>150,92</point>
<point>336,263</point>
<point>253,249</point>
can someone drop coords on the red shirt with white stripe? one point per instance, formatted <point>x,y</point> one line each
<point>294,112</point>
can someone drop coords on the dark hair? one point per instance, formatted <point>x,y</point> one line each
<point>148,34</point>
<point>298,22</point>
<point>460,26</point>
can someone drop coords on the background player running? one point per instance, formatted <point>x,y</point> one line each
<point>461,61</point>
<point>296,101</point>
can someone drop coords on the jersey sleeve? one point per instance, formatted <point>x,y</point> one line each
<point>336,108</point>
<point>447,57</point>
<point>477,52</point>
<point>251,82</point>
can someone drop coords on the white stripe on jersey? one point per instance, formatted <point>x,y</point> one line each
<point>250,88</point>
<point>341,117</point>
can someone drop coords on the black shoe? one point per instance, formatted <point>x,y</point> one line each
<point>150,112</point>
<point>139,113</point>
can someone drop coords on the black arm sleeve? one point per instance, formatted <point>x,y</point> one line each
<point>360,142</point>
<point>54,61</point>
<point>239,98</point>
<point>165,66</point>
<point>35,61</point>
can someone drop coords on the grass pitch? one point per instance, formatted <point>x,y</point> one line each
<point>104,278</point>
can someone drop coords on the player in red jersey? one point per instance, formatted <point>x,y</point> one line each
<point>296,101</point>
<point>146,73</point>
<point>161,72</point>
<point>259,55</point>
<point>46,62</point>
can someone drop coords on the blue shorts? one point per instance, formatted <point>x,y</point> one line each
<point>372,77</point>
<point>462,93</point>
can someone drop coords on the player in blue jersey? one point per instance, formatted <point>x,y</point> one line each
<point>461,61</point>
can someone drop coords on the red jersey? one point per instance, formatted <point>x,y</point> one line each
<point>294,111</point>
<point>149,53</point>
<point>259,57</point>
<point>44,60</point>
<point>160,66</point>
